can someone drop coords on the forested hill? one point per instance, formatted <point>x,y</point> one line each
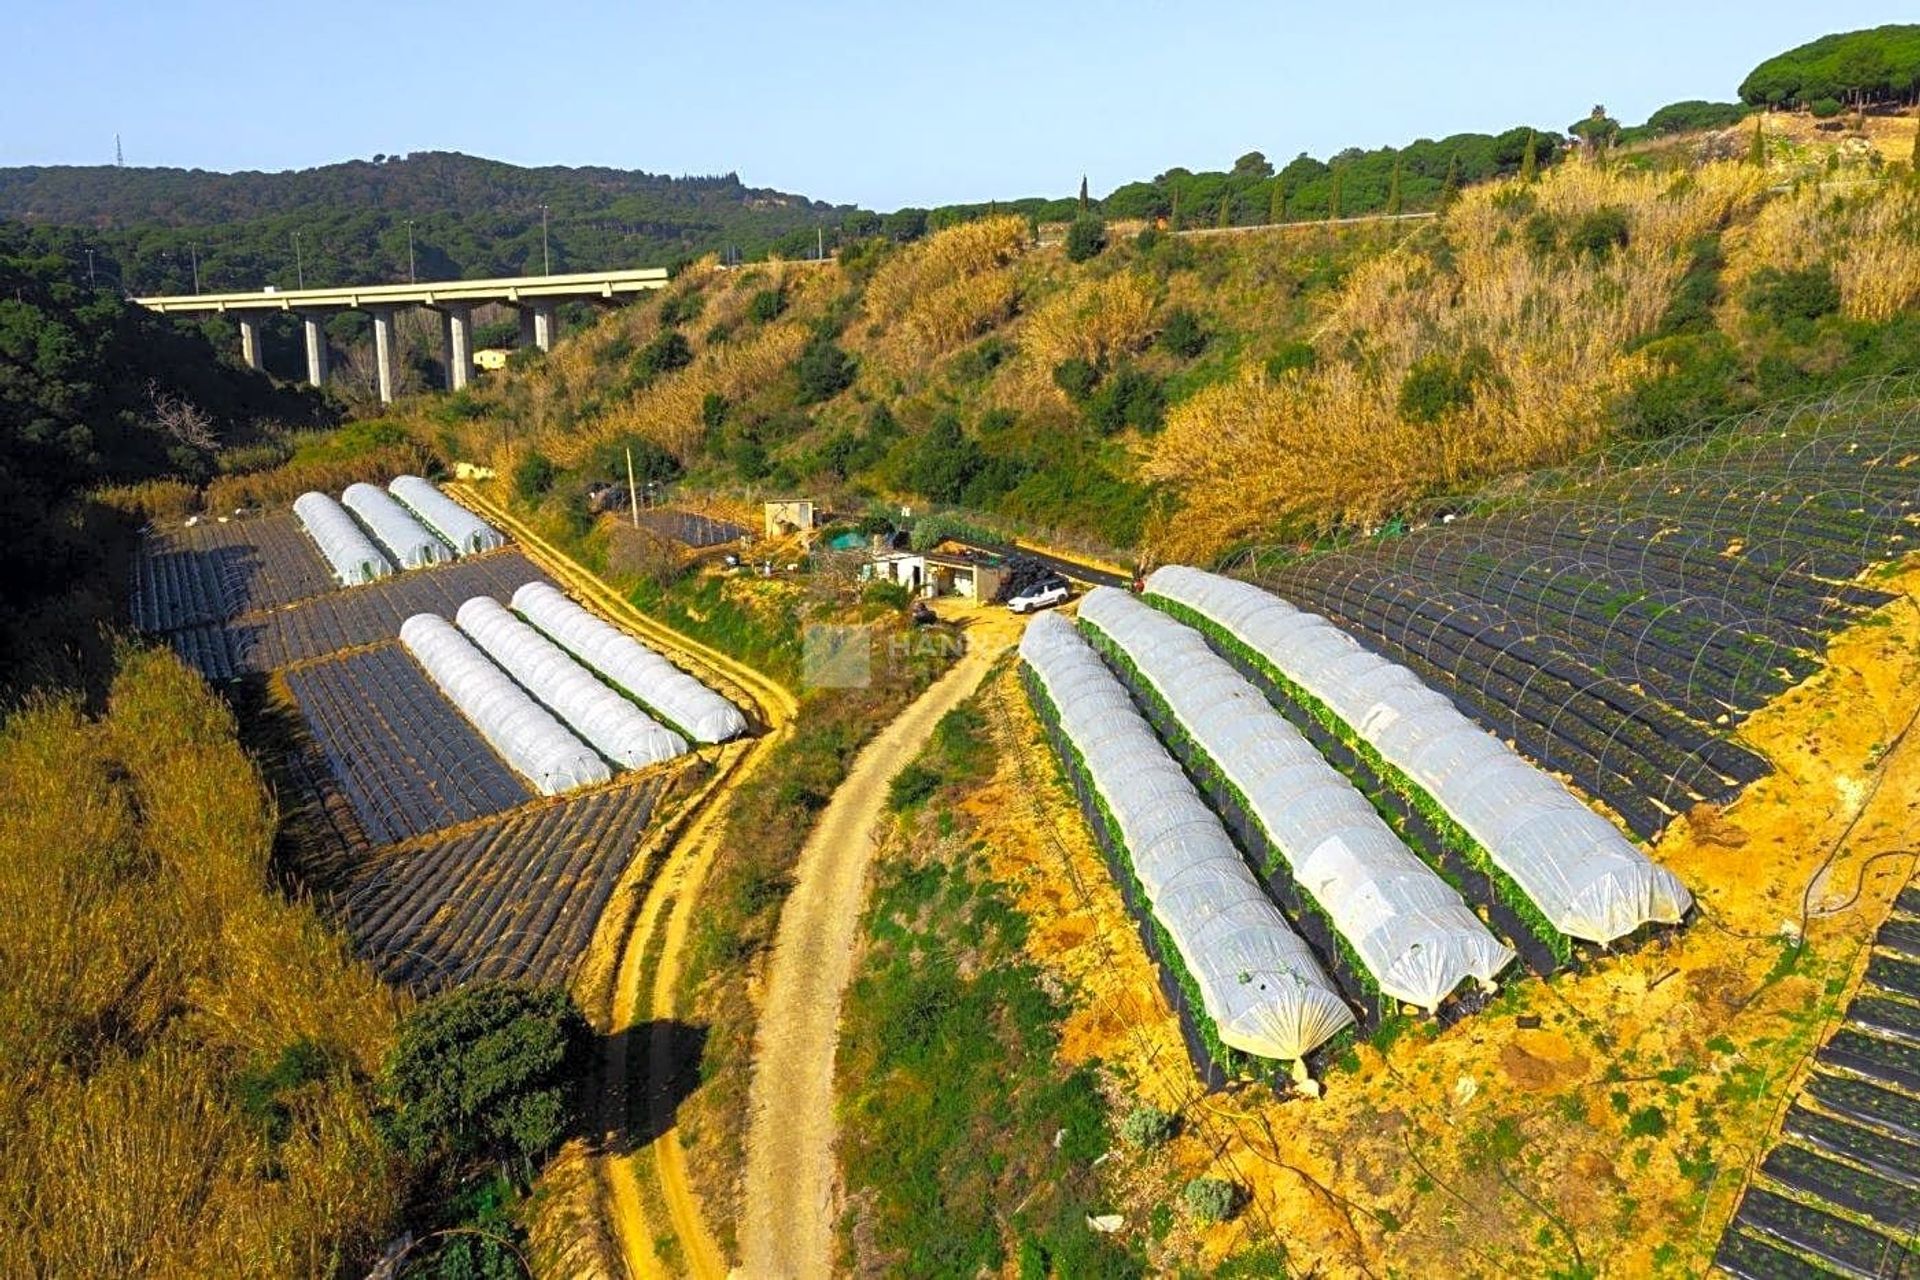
<point>470,216</point>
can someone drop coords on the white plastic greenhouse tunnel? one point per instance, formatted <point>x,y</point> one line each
<point>410,543</point>
<point>464,531</point>
<point>1258,981</point>
<point>526,735</point>
<point>618,729</point>
<point>1411,930</point>
<point>674,695</point>
<point>349,552</point>
<point>1586,878</point>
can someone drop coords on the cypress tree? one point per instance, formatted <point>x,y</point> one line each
<point>1530,160</point>
<point>1083,193</point>
<point>1226,211</point>
<point>1173,216</point>
<point>1333,198</point>
<point>1757,153</point>
<point>1277,202</point>
<point>1450,189</point>
<point>1393,190</point>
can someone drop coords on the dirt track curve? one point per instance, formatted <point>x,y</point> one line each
<point>791,1184</point>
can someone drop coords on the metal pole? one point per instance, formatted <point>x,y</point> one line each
<point>820,243</point>
<point>546,262</point>
<point>196,266</point>
<point>90,280</point>
<point>299,271</point>
<point>633,490</point>
<point>410,279</point>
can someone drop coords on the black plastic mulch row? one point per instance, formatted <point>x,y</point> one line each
<point>1900,935</point>
<point>1891,1156</point>
<point>1848,1245</point>
<point>1888,1060</point>
<point>1412,826</point>
<point>1891,1204</point>
<point>1894,974</point>
<point>1751,1258</point>
<point>1866,1103</point>
<point>1894,1018</point>
<point>1908,903</point>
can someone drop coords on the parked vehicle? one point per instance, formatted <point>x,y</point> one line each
<point>1041,595</point>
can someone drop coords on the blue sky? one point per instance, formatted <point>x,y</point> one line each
<point>880,104</point>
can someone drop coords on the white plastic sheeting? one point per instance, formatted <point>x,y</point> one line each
<point>1258,981</point>
<point>466,532</point>
<point>525,734</point>
<point>622,732</point>
<point>1411,929</point>
<point>678,697</point>
<point>405,538</point>
<point>347,548</point>
<point>1585,877</point>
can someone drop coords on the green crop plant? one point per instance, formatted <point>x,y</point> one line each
<point>1510,894</point>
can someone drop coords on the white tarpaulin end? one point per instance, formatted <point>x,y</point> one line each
<point>405,538</point>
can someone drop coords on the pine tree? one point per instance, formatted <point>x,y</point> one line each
<point>1393,190</point>
<point>1277,202</point>
<point>1333,198</point>
<point>1450,189</point>
<point>1226,211</point>
<point>1530,160</point>
<point>1083,193</point>
<point>1757,153</point>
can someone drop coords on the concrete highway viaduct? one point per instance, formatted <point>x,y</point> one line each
<point>535,297</point>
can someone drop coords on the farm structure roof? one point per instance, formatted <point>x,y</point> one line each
<point>611,724</point>
<point>1412,931</point>
<point>1258,980</point>
<point>1584,876</point>
<point>409,542</point>
<point>354,557</point>
<point>677,697</point>
<point>464,531</point>
<point>526,735</point>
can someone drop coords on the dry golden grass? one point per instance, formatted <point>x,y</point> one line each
<point>1093,320</point>
<point>1330,445</point>
<point>282,484</point>
<point>150,961</point>
<point>151,499</point>
<point>1869,235</point>
<point>948,289</point>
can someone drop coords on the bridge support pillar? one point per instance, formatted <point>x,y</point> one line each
<point>526,328</point>
<point>314,326</point>
<point>385,345</point>
<point>250,341</point>
<point>458,327</point>
<point>546,323</point>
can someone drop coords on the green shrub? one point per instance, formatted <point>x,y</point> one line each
<point>668,351</point>
<point>1148,239</point>
<point>1086,237</point>
<point>1825,108</point>
<point>824,371</point>
<point>1295,355</point>
<point>1182,334</point>
<point>1599,232</point>
<point>1147,1126</point>
<point>946,460</point>
<point>1701,381</point>
<point>1789,296</point>
<point>1647,1122</point>
<point>680,308</point>
<point>766,305</point>
<point>1439,384</point>
<point>910,786</point>
<point>1211,1199</point>
<point>1077,377</point>
<point>1130,398</point>
<point>534,476</point>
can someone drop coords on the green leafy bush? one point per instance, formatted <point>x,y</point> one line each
<point>1598,233</point>
<point>1439,384</point>
<point>1825,108</point>
<point>1788,296</point>
<point>1077,377</point>
<point>534,475</point>
<point>1130,398</point>
<point>680,308</point>
<point>1211,1199</point>
<point>766,305</point>
<point>1182,334</point>
<point>1295,355</point>
<point>668,351</point>
<point>824,371</point>
<point>1086,237</point>
<point>912,784</point>
<point>1147,1126</point>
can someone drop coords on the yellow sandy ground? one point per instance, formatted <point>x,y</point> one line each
<point>1616,1135</point>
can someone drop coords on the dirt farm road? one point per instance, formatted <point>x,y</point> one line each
<point>791,1184</point>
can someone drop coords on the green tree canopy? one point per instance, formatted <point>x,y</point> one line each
<point>1880,64</point>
